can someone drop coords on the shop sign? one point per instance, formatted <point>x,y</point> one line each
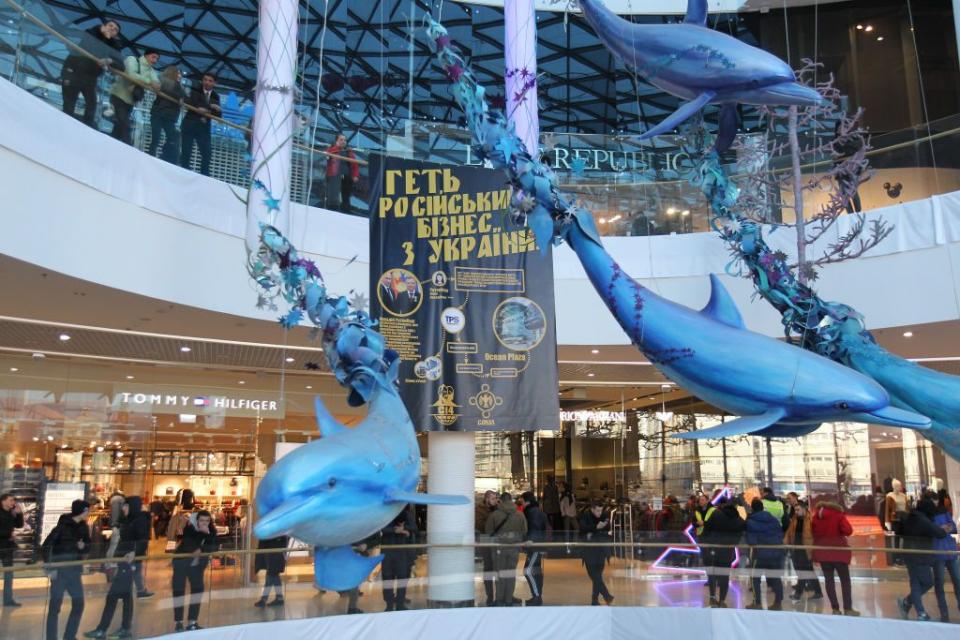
<point>187,401</point>
<point>596,424</point>
<point>605,160</point>
<point>593,416</point>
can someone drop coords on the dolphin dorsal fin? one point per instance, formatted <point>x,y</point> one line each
<point>696,12</point>
<point>325,421</point>
<point>721,306</point>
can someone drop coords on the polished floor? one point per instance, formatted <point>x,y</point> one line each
<point>229,600</point>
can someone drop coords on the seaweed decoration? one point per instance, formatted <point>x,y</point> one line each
<point>355,351</point>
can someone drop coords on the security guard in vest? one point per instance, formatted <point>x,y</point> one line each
<point>702,513</point>
<point>773,505</point>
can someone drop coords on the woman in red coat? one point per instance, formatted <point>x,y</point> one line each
<point>830,529</point>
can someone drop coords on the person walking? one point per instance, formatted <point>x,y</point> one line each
<point>164,115</point>
<point>273,564</point>
<point>595,528</point>
<point>945,563</point>
<point>395,570</point>
<point>831,528</point>
<point>765,529</point>
<point>69,541</point>
<point>538,527</point>
<point>723,528</point>
<point>550,504</point>
<point>11,517</point>
<point>199,537</point>
<point>506,526</point>
<point>80,73</point>
<point>195,128</point>
<point>800,533</point>
<point>125,94</point>
<point>134,532</point>
<point>482,513</point>
<point>919,533</point>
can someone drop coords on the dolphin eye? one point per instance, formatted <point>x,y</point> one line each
<point>843,406</point>
<point>332,482</point>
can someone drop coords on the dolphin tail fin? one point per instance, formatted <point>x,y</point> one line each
<point>424,498</point>
<point>696,12</point>
<point>740,426</point>
<point>341,568</point>
<point>681,115</point>
<point>728,127</point>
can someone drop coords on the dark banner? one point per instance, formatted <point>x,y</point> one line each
<point>464,296</point>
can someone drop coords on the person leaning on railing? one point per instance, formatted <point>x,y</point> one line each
<point>80,73</point>
<point>164,115</point>
<point>196,124</point>
<point>125,94</point>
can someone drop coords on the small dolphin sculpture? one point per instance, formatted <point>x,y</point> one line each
<point>342,488</point>
<point>699,64</point>
<point>779,390</point>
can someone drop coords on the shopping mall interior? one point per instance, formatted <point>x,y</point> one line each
<point>140,291</point>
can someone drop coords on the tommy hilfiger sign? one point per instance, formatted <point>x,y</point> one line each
<point>172,400</point>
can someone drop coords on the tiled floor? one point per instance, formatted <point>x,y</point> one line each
<point>229,601</point>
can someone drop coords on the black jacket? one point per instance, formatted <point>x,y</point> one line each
<point>9,522</point>
<point>80,69</point>
<point>61,544</point>
<point>537,523</point>
<point>272,563</point>
<point>725,527</point>
<point>194,539</point>
<point>197,100</point>
<point>919,533</point>
<point>168,108</point>
<point>390,537</point>
<point>134,529</point>
<point>590,533</point>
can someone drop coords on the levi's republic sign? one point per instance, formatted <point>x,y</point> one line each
<point>465,297</point>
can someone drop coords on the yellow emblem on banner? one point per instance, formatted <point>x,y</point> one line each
<point>446,409</point>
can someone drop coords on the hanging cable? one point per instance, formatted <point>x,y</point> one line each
<point>923,95</point>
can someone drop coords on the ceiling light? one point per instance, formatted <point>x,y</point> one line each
<point>64,337</point>
<point>868,28</point>
<point>908,334</point>
<point>36,439</point>
<point>595,351</point>
<point>603,221</point>
<point>309,386</point>
<point>590,375</point>
<point>100,449</point>
<point>63,446</point>
<point>653,397</point>
<point>879,38</point>
<point>49,438</point>
<point>129,377</point>
<point>241,382</point>
<point>671,211</point>
<point>93,443</point>
<point>685,212</point>
<point>860,27</point>
<point>119,454</point>
<point>14,369</point>
<point>288,359</point>
<point>185,349</point>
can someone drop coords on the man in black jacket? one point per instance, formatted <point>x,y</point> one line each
<point>537,528</point>
<point>395,571</point>
<point>80,74</point>
<point>134,537</point>
<point>69,541</point>
<point>919,533</point>
<point>11,517</point>
<point>195,127</point>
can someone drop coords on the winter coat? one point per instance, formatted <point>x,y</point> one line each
<point>590,533</point>
<point>725,527</point>
<point>333,164</point>
<point>134,529</point>
<point>272,563</point>
<point>61,543</point>
<point>390,537</point>
<point>9,522</point>
<point>79,69</point>
<point>919,533</point>
<point>168,108</point>
<point>946,543</point>
<point>537,523</point>
<point>799,529</point>
<point>138,68</point>
<point>830,528</point>
<point>194,539</point>
<point>551,499</point>
<point>764,528</point>
<point>508,523</point>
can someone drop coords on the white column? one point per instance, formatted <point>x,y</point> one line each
<point>450,470</point>
<point>952,476</point>
<point>273,119</point>
<point>520,54</point>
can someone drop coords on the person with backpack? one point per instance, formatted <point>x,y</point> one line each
<point>69,541</point>
<point>134,532</point>
<point>538,530</point>
<point>764,529</point>
<point>125,94</point>
<point>506,526</point>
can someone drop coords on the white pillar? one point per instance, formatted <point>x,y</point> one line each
<point>273,119</point>
<point>450,470</point>
<point>952,476</point>
<point>520,54</point>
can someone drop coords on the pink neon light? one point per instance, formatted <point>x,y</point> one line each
<point>696,550</point>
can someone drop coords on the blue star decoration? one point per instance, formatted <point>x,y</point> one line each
<point>272,203</point>
<point>508,147</point>
<point>578,165</point>
<point>312,366</point>
<point>291,319</point>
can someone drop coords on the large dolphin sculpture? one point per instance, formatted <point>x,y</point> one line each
<point>778,389</point>
<point>698,64</point>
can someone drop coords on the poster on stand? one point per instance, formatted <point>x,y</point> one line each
<point>464,295</point>
<point>57,499</point>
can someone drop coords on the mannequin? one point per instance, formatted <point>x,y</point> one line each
<point>895,512</point>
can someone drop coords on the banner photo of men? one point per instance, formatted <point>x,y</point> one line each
<point>464,295</point>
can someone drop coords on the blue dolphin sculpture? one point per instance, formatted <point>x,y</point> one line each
<point>699,64</point>
<point>342,488</point>
<point>779,390</point>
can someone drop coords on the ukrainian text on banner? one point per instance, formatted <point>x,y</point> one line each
<point>465,297</point>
